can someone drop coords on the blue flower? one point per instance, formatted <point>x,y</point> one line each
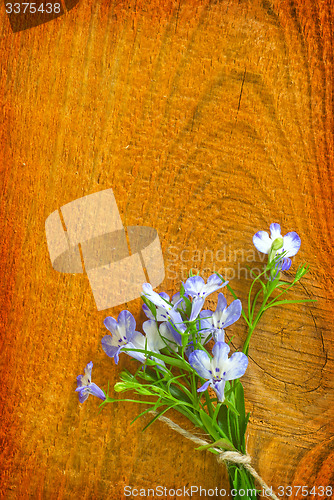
<point>160,300</point>
<point>215,322</point>
<point>162,314</point>
<point>161,308</point>
<point>289,243</point>
<point>219,369</point>
<point>165,310</point>
<point>87,387</point>
<point>123,335</point>
<point>196,288</point>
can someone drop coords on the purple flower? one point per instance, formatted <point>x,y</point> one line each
<point>162,314</point>
<point>162,308</point>
<point>223,317</point>
<point>289,243</point>
<point>160,300</point>
<point>165,311</point>
<point>123,335</point>
<point>87,387</point>
<point>219,369</point>
<point>196,288</point>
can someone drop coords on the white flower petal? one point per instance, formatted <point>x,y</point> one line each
<point>275,231</point>
<point>126,324</point>
<point>154,340</point>
<point>193,286</point>
<point>262,242</point>
<point>231,314</point>
<point>291,243</point>
<point>111,324</point>
<point>154,297</point>
<point>220,355</point>
<point>219,388</point>
<point>221,303</point>
<point>196,306</point>
<point>87,377</point>
<point>235,367</point>
<point>201,362</point>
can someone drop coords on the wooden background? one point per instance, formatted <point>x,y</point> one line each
<point>209,120</point>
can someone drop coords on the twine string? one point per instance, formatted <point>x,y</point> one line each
<point>224,456</point>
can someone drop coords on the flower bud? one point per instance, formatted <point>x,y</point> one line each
<point>277,244</point>
<point>121,386</point>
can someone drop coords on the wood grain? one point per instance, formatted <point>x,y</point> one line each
<point>209,120</point>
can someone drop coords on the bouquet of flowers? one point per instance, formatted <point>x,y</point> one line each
<point>184,356</point>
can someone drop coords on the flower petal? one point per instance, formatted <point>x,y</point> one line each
<point>213,284</point>
<point>286,264</point>
<point>154,297</point>
<point>139,356</point>
<point>204,386</point>
<point>112,325</point>
<point>109,348</point>
<point>232,313</point>
<point>126,324</point>
<point>177,320</point>
<point>262,241</point>
<point>138,341</point>
<point>196,306</point>
<point>291,243</point>
<point>85,379</point>
<point>220,354</point>
<point>154,340</point>
<point>178,302</point>
<point>83,394</point>
<point>194,285</point>
<point>162,314</point>
<point>221,303</point>
<point>275,231</point>
<point>201,362</point>
<point>95,391</point>
<point>218,335</point>
<point>206,315</point>
<point>176,297</point>
<point>235,367</point>
<point>219,388</point>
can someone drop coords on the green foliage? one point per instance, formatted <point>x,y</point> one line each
<point>173,383</point>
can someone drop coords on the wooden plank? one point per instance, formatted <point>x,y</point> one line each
<point>209,120</point>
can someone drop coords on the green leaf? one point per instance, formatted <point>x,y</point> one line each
<point>177,393</point>
<point>242,420</point>
<point>207,422</point>
<point>157,416</point>
<point>222,443</point>
<point>222,421</point>
<point>231,407</point>
<point>282,302</point>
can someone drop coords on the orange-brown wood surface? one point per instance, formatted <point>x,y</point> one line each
<point>209,120</point>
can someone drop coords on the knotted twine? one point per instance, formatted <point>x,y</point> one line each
<point>224,456</point>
